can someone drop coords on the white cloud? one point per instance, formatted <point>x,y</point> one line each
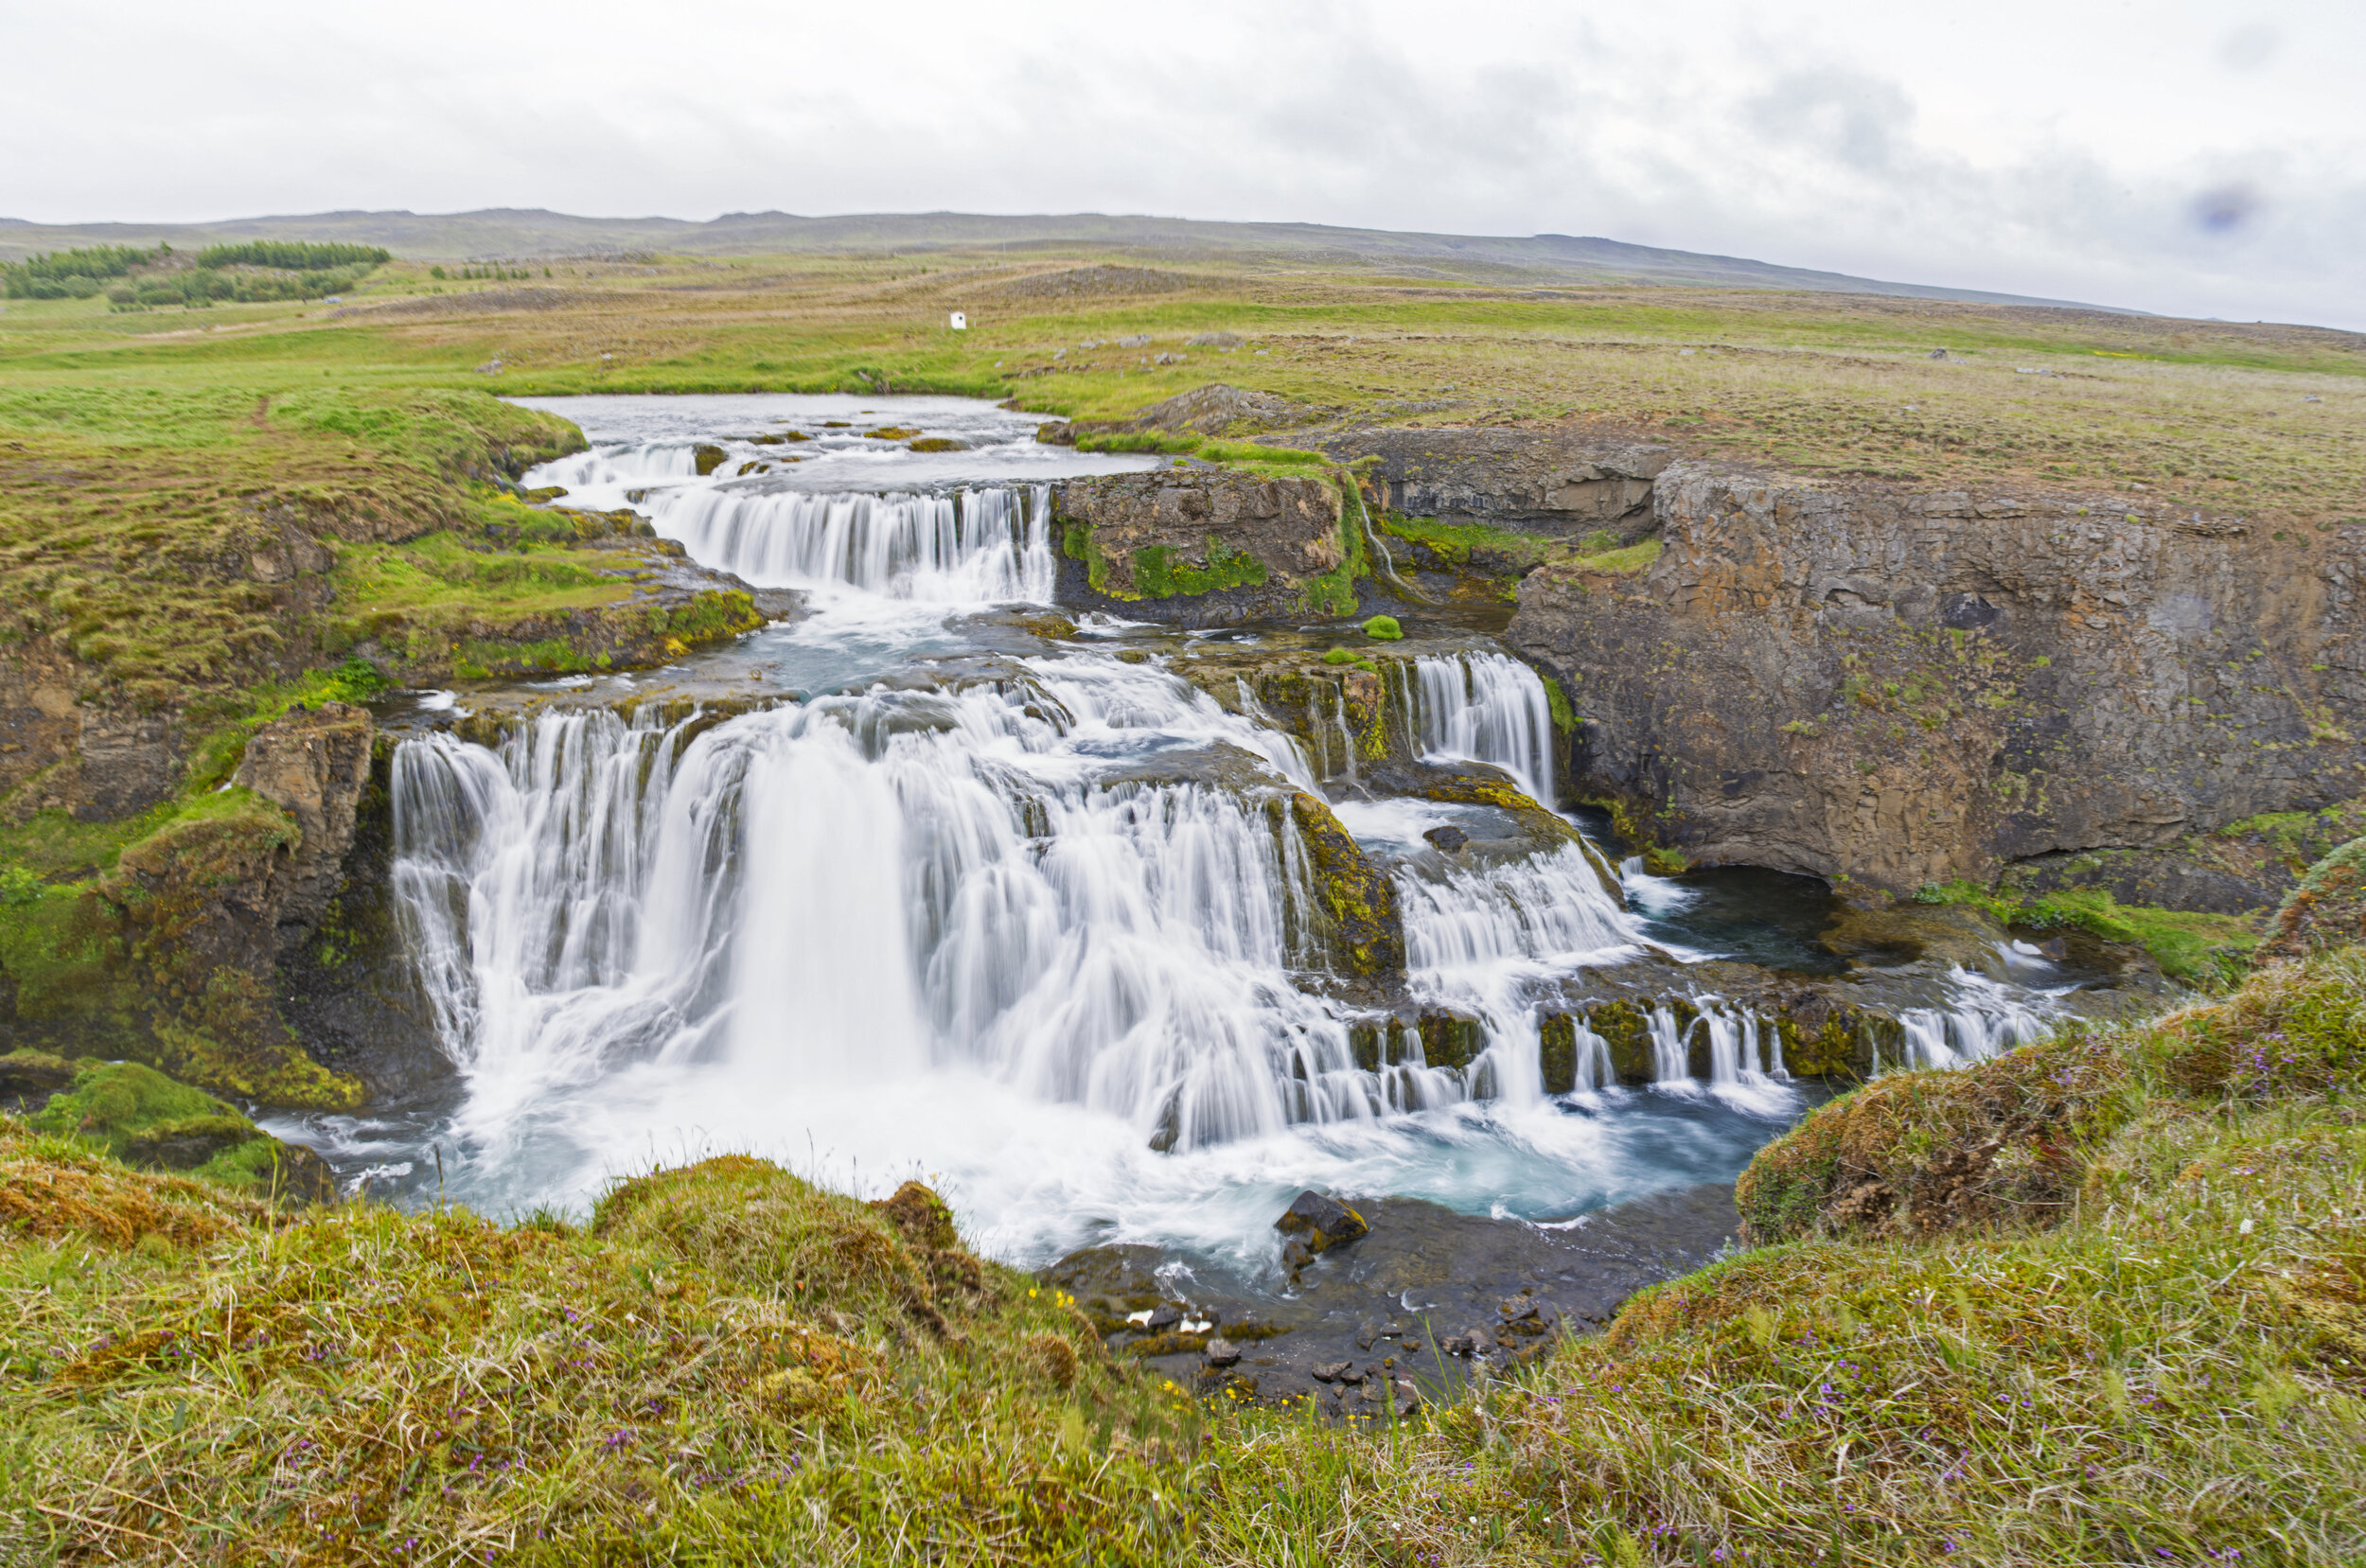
<point>2061,148</point>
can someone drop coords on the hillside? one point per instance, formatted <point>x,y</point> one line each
<point>514,233</point>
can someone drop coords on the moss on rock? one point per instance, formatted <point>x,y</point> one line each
<point>1359,899</point>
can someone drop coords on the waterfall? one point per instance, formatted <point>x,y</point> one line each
<point>1485,707</point>
<point>872,886</point>
<point>1491,942</point>
<point>622,464</point>
<point>1595,1070</point>
<point>990,545</point>
<point>1745,1052</point>
<point>1987,1019</point>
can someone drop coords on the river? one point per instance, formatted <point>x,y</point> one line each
<point>971,893</point>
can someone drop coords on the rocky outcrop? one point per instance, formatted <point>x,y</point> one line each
<point>1203,545</point>
<point>1558,481</point>
<point>58,750</point>
<point>1892,689</point>
<point>312,765</point>
<point>175,951</point>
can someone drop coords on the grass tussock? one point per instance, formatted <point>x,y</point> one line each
<point>727,1364</point>
<point>2162,1361</point>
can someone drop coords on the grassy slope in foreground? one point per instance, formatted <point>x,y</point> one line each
<point>2101,1301</point>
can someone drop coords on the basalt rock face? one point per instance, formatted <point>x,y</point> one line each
<point>1896,689</point>
<point>95,761</point>
<point>1551,482</point>
<point>1201,546</point>
<point>313,765</point>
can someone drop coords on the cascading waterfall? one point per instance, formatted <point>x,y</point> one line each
<point>1486,707</point>
<point>642,463</point>
<point>869,886</point>
<point>1987,1020</point>
<point>989,545</point>
<point>1033,927</point>
<point>1491,942</point>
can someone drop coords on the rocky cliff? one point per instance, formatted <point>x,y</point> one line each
<point>1893,689</point>
<point>1554,481</point>
<point>1203,545</point>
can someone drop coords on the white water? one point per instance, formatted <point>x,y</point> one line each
<point>981,546</point>
<point>1486,707</point>
<point>1987,1019</point>
<point>912,927</point>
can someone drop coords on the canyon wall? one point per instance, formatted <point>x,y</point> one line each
<point>1891,689</point>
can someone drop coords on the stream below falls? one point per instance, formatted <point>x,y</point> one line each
<point>931,880</point>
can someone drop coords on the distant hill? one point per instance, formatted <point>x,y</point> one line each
<point>518,233</point>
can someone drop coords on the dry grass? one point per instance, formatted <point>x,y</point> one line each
<point>729,1366</point>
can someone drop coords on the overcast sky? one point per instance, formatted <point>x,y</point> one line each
<point>2192,157</point>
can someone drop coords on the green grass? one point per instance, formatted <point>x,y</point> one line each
<point>726,1365</point>
<point>160,539</point>
<point>2204,414</point>
<point>2107,1305</point>
<point>2203,950</point>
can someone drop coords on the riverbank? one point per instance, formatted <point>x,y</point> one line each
<point>2159,1363</point>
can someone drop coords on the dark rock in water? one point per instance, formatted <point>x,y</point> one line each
<point>1223,1352</point>
<point>1323,1222</point>
<point>1296,1254</point>
<point>708,458</point>
<point>1448,838</point>
<point>1336,1371</point>
<point>1164,1317</point>
<point>303,1177</point>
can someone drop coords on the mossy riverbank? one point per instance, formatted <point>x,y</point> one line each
<point>2100,1300</point>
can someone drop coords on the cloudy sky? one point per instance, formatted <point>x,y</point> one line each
<point>2201,157</point>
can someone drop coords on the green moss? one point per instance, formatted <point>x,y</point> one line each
<point>1333,592</point>
<point>1564,717</point>
<point>1359,900</point>
<point>215,755</point>
<point>1159,574</point>
<point>113,1102</point>
<point>1454,543</point>
<point>1383,628</point>
<point>2206,950</point>
<point>1633,558</point>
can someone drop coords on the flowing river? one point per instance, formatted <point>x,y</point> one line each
<point>963,892</point>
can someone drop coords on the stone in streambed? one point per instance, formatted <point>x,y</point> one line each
<point>1322,1222</point>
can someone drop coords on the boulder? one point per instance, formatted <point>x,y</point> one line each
<point>1204,546</point>
<point>1223,1352</point>
<point>313,764</point>
<point>1322,1222</point>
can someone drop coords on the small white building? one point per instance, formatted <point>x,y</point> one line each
<point>959,321</point>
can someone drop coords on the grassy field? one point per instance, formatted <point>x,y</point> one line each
<point>2101,1301</point>
<point>2262,421</point>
